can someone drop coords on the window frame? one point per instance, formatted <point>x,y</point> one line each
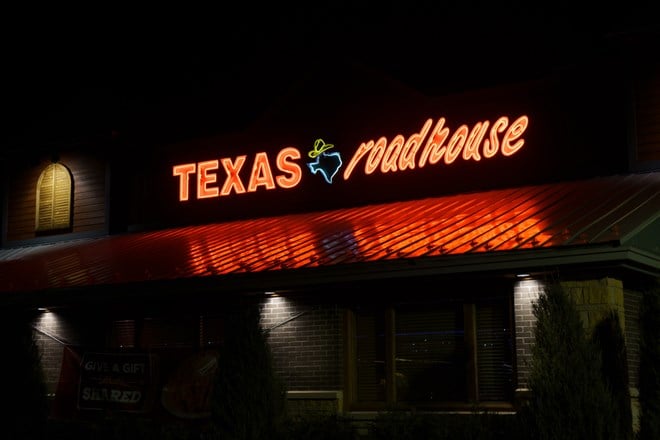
<point>469,303</point>
<point>61,198</point>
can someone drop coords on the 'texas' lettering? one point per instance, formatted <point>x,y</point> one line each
<point>261,175</point>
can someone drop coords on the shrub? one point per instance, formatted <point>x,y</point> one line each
<point>248,401</point>
<point>569,398</point>
<point>649,370</point>
<point>608,337</point>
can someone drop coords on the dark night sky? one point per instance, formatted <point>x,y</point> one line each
<point>82,73</point>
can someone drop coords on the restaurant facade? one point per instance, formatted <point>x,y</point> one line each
<point>394,242</point>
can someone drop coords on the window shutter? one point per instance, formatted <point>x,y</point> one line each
<point>165,333</point>
<point>430,353</point>
<point>370,345</point>
<point>494,352</point>
<point>54,198</point>
<point>211,331</point>
<point>123,334</point>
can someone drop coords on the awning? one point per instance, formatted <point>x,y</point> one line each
<point>614,217</point>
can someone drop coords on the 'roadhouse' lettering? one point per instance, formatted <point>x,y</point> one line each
<point>465,142</point>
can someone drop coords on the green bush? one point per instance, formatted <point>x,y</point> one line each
<point>248,401</point>
<point>569,398</point>
<point>608,337</point>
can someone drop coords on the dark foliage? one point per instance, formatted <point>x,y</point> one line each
<point>398,425</point>
<point>248,400</point>
<point>608,336</point>
<point>320,427</point>
<point>569,399</point>
<point>649,371</point>
<point>403,426</point>
<point>25,408</point>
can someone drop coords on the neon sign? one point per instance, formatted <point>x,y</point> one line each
<point>328,164</point>
<point>260,176</point>
<point>428,146</point>
<point>401,153</point>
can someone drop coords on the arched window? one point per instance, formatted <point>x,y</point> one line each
<point>54,198</point>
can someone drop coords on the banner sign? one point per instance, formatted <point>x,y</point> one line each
<point>117,381</point>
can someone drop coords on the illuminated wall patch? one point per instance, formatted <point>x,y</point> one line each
<point>326,164</point>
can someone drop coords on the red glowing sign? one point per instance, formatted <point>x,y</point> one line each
<point>401,153</point>
<point>261,175</point>
<point>428,146</point>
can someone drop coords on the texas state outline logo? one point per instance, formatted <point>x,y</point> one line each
<point>327,164</point>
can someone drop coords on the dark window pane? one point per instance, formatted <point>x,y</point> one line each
<point>167,333</point>
<point>122,334</point>
<point>370,332</point>
<point>211,331</point>
<point>430,354</point>
<point>494,351</point>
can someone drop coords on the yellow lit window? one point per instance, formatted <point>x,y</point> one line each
<point>54,195</point>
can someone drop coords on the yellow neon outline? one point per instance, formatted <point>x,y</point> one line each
<point>319,147</point>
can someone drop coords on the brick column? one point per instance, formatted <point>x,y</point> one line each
<point>305,338</point>
<point>525,294</point>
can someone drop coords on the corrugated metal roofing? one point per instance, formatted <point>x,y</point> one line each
<point>590,212</point>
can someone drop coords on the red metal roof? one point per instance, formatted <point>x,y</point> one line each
<point>590,212</point>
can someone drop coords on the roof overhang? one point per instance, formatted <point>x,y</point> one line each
<point>604,222</point>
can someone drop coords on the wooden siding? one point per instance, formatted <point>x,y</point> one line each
<point>648,116</point>
<point>89,204</point>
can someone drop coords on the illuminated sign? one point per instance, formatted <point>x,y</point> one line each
<point>401,153</point>
<point>327,164</point>
<point>260,176</point>
<point>484,140</point>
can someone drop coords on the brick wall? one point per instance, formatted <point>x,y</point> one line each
<point>525,293</point>
<point>51,360</point>
<point>53,332</point>
<point>48,332</point>
<point>305,337</point>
